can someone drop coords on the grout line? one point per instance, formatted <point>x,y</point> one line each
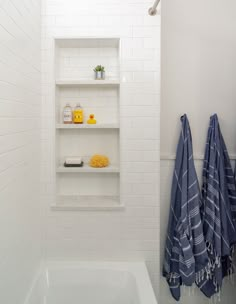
<point>196,157</point>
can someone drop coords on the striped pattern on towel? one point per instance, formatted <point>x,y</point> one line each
<point>185,252</point>
<point>218,208</point>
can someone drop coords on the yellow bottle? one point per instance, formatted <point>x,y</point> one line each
<point>78,115</point>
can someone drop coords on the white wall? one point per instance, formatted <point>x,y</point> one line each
<point>131,234</point>
<point>198,78</point>
<point>20,101</point>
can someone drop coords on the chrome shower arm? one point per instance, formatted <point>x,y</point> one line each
<point>153,10</point>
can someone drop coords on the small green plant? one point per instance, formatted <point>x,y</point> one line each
<point>99,68</point>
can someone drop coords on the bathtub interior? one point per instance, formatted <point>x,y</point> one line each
<point>85,285</point>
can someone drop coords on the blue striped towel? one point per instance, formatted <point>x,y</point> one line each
<point>218,209</point>
<point>185,253</point>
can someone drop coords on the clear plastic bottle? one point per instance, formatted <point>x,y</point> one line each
<point>67,114</point>
<point>78,114</point>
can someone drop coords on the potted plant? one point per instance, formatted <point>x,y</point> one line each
<point>99,72</point>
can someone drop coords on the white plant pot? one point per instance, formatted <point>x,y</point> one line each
<point>103,75</point>
<point>98,75</point>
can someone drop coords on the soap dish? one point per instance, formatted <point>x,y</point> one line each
<point>73,165</point>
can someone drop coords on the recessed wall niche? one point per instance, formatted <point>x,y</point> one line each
<point>87,188</point>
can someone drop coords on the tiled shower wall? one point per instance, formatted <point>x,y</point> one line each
<point>132,234</point>
<point>20,110</point>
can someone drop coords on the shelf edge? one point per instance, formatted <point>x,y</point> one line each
<point>68,207</point>
<point>86,126</point>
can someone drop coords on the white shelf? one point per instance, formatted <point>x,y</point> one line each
<point>88,169</point>
<point>87,203</point>
<point>87,82</point>
<point>88,126</point>
<point>87,42</point>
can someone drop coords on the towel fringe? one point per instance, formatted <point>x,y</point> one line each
<point>215,263</point>
<point>203,274</point>
<point>172,277</point>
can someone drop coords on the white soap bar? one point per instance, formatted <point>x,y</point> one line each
<point>73,160</point>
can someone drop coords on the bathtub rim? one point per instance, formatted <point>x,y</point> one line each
<point>137,269</point>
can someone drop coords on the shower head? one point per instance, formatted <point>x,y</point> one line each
<point>153,10</point>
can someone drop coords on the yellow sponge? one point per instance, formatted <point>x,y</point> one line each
<point>99,161</point>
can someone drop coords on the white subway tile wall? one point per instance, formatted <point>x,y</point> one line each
<point>131,234</point>
<point>20,111</point>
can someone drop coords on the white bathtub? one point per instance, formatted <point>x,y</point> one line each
<point>92,283</point>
